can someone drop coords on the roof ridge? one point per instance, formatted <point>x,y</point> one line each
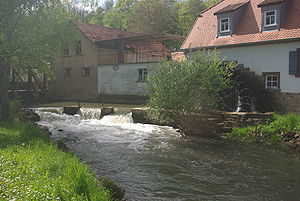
<point>237,6</point>
<point>210,7</point>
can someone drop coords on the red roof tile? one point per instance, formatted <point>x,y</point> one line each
<point>230,8</point>
<point>248,31</point>
<point>98,32</point>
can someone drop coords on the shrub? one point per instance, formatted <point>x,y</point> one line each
<point>178,88</point>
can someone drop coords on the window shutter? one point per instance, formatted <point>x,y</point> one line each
<point>293,63</point>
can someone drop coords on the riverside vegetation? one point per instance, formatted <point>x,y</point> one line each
<point>33,168</point>
<point>280,129</point>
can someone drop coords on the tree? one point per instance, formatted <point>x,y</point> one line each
<point>29,31</point>
<point>154,16</point>
<point>180,88</point>
<point>118,16</point>
<point>187,14</point>
<point>97,16</point>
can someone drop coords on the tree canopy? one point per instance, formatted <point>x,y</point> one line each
<point>30,30</point>
<point>149,16</point>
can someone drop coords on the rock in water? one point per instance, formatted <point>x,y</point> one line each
<point>28,115</point>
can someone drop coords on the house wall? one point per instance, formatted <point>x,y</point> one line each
<point>267,58</point>
<point>121,79</point>
<point>110,56</point>
<point>75,87</point>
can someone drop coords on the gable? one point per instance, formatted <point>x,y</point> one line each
<point>248,29</point>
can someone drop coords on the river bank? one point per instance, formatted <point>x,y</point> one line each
<point>33,168</point>
<point>282,130</point>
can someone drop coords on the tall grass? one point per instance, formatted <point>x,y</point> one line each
<point>270,132</point>
<point>33,168</point>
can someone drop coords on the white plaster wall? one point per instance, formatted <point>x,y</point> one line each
<point>267,58</point>
<point>121,80</point>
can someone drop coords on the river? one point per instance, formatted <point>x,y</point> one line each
<point>156,163</point>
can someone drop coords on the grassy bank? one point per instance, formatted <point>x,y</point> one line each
<point>33,168</point>
<point>280,129</point>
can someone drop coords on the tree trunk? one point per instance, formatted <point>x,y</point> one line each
<point>4,87</point>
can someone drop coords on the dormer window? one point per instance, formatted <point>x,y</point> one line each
<point>224,25</point>
<point>270,18</point>
<point>228,18</point>
<point>273,13</point>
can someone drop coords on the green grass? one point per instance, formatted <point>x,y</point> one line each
<point>272,131</point>
<point>33,168</point>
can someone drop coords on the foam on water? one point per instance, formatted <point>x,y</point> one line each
<point>90,113</point>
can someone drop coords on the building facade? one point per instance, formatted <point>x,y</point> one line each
<point>263,35</point>
<point>106,64</point>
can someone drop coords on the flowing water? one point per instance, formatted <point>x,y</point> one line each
<point>156,163</point>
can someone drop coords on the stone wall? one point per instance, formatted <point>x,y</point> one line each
<point>287,102</point>
<point>207,122</point>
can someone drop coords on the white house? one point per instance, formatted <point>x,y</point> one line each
<point>263,35</point>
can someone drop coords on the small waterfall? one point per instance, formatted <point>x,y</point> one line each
<point>239,103</point>
<point>53,117</point>
<point>90,113</point>
<point>117,119</point>
<point>56,110</point>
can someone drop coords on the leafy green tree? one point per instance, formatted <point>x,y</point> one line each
<point>118,16</point>
<point>97,16</point>
<point>180,88</point>
<point>154,16</point>
<point>29,31</point>
<point>187,14</point>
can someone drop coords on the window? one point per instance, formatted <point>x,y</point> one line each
<point>270,18</point>
<point>272,80</point>
<point>66,51</point>
<point>224,25</point>
<point>143,74</point>
<point>294,62</point>
<point>86,72</point>
<point>67,72</point>
<point>78,48</point>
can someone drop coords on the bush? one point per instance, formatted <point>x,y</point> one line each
<point>270,132</point>
<point>178,88</point>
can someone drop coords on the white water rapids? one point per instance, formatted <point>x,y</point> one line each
<point>156,163</point>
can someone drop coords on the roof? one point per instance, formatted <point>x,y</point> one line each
<point>248,31</point>
<point>269,2</point>
<point>230,8</point>
<point>111,37</point>
<point>99,33</point>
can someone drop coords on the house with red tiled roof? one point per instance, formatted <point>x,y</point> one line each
<point>262,35</point>
<point>106,64</point>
